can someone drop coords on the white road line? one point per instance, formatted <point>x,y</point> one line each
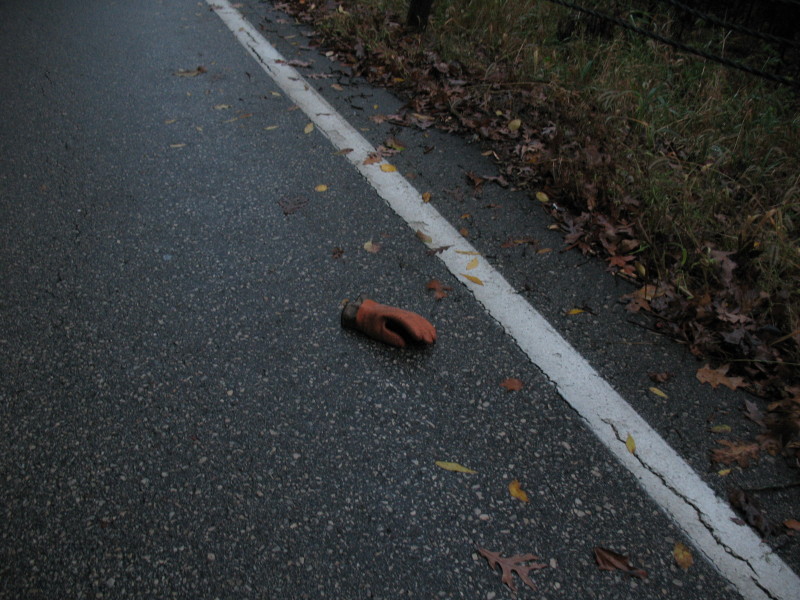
<point>736,551</point>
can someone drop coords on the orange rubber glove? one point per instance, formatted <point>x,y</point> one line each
<point>387,324</point>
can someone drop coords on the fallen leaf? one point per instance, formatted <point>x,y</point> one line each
<point>395,144</point>
<point>372,158</point>
<point>292,205</point>
<point>439,290</point>
<point>516,491</point>
<point>472,278</point>
<point>721,429</point>
<point>512,384</point>
<point>658,392</point>
<point>792,524</point>
<point>717,377</point>
<point>468,252</point>
<point>170,121</point>
<point>574,311</point>
<point>473,264</point>
<point>740,453</point>
<point>608,560</point>
<point>542,197</point>
<point>544,250</point>
<point>511,565</point>
<point>337,87</point>
<point>724,472</point>
<point>177,145</point>
<point>270,127</point>
<point>464,232</point>
<point>659,377</point>
<point>191,73</point>
<point>337,252</point>
<point>630,444</point>
<point>514,124</point>
<point>387,168</point>
<point>321,188</point>
<point>426,197</point>
<point>343,152</point>
<point>309,128</point>
<point>452,466</point>
<point>372,247</point>
<point>424,237</point>
<point>683,557</point>
<point>237,117</point>
<point>511,242</point>
<point>222,106</point>
<point>751,511</point>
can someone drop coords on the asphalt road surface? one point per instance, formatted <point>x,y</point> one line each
<point>181,413</point>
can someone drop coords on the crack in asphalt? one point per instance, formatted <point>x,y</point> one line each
<point>700,516</point>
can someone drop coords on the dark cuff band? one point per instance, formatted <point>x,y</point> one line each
<point>350,311</point>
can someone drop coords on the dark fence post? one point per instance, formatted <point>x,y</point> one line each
<point>418,12</point>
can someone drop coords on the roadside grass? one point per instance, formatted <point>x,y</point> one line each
<point>701,160</point>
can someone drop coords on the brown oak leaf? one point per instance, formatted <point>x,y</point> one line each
<point>735,452</point>
<point>752,512</point>
<point>512,384</point>
<point>717,377</point>
<point>511,565</point>
<point>608,560</point>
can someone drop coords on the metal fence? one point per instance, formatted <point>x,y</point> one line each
<point>767,31</point>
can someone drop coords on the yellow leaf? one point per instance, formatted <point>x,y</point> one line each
<point>451,466</point>
<point>387,168</point>
<point>682,556</point>
<point>514,125</point>
<point>425,238</point>
<point>426,197</point>
<point>275,93</point>
<point>724,472</point>
<point>321,188</point>
<point>516,491</point>
<point>472,264</point>
<point>721,429</point>
<point>575,311</point>
<point>630,444</point>
<point>468,252</point>
<point>309,128</point>
<point>472,278</point>
<point>658,392</point>
<point>544,250</point>
<point>542,197</point>
<point>371,246</point>
<point>270,127</point>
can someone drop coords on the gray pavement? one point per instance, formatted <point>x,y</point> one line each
<point>181,414</point>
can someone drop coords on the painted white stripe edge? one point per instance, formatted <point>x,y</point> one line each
<point>737,553</point>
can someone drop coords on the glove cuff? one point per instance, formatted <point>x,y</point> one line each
<point>350,311</point>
